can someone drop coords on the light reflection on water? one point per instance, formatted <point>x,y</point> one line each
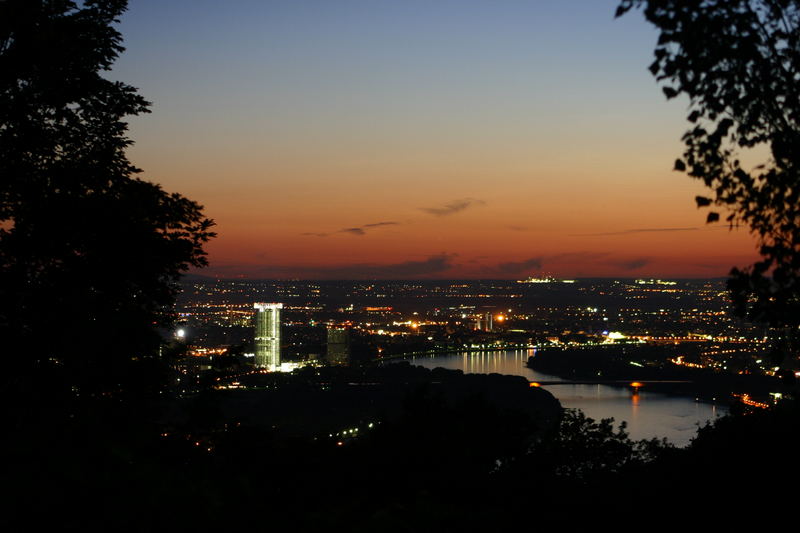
<point>647,414</point>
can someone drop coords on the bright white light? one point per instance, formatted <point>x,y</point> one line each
<point>181,333</point>
<point>264,306</point>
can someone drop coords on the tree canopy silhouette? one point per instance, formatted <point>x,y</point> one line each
<point>738,61</point>
<point>90,254</point>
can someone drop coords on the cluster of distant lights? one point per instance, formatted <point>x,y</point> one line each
<point>546,279</point>
<point>609,337</point>
<point>349,433</point>
<point>747,400</point>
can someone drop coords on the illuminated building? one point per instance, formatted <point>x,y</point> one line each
<point>484,322</point>
<point>268,335</point>
<point>338,345</point>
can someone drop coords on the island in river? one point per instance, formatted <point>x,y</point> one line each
<point>662,368</point>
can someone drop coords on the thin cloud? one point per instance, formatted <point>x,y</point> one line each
<point>721,266</point>
<point>378,224</point>
<point>357,230</point>
<point>598,259</point>
<point>578,256</point>
<point>431,266</point>
<point>518,267</point>
<point>633,264</point>
<point>456,206</point>
<point>632,231</point>
<point>407,269</point>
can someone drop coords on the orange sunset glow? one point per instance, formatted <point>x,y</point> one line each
<point>526,141</point>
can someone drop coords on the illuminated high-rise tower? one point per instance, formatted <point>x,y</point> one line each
<point>268,335</point>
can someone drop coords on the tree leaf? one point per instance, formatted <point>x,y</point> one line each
<point>669,92</point>
<point>702,201</point>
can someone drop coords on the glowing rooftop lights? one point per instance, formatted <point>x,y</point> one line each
<point>261,306</point>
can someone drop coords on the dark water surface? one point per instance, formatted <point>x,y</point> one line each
<point>648,414</point>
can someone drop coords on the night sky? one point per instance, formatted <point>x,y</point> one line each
<point>419,139</point>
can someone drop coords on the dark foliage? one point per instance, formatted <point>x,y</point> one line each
<point>738,61</point>
<point>89,253</point>
<point>445,452</point>
<point>585,450</point>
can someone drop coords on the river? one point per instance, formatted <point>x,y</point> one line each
<point>647,414</point>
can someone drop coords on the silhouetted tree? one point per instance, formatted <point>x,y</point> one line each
<point>583,448</point>
<point>738,61</point>
<point>90,254</point>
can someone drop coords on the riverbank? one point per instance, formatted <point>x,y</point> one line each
<point>452,351</point>
<point>647,414</point>
<point>618,367</point>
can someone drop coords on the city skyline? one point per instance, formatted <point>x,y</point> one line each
<point>402,141</point>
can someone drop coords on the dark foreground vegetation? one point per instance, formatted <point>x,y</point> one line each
<point>382,449</point>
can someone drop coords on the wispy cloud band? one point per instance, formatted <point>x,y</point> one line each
<point>356,230</point>
<point>632,231</point>
<point>456,206</point>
